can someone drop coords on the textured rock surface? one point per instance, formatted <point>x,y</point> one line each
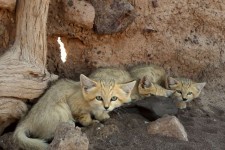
<point>67,137</point>
<point>112,16</point>
<point>168,126</point>
<point>79,12</point>
<point>11,110</point>
<point>189,42</point>
<point>154,107</point>
<point>7,143</point>
<point>8,4</point>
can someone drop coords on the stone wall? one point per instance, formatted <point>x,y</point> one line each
<point>186,37</point>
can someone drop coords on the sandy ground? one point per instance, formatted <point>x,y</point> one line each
<point>127,130</point>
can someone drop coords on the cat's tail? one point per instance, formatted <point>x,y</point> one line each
<point>21,138</point>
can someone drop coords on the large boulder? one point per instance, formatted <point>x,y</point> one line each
<point>8,4</point>
<point>79,12</point>
<point>154,107</point>
<point>112,15</point>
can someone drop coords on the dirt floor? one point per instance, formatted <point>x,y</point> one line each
<point>127,130</point>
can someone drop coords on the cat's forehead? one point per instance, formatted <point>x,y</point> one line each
<point>107,86</point>
<point>184,82</point>
<point>187,85</point>
<point>107,83</point>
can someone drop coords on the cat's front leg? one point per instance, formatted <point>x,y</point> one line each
<point>85,119</point>
<point>101,115</point>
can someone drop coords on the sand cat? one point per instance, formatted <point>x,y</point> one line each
<point>119,75</point>
<point>185,90</point>
<point>150,78</point>
<point>68,100</point>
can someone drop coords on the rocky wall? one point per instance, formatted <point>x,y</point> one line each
<point>186,37</point>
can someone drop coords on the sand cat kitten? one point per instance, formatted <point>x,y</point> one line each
<point>185,90</point>
<point>150,78</point>
<point>147,88</point>
<point>119,75</point>
<point>65,101</point>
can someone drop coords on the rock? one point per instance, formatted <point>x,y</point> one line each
<point>7,142</point>
<point>107,131</point>
<point>11,110</point>
<point>154,107</point>
<point>8,4</point>
<point>168,126</point>
<point>102,131</point>
<point>112,16</point>
<point>79,12</point>
<point>67,137</point>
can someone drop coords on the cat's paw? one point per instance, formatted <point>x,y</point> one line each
<point>181,105</point>
<point>103,117</point>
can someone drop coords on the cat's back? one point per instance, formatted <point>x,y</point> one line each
<point>54,97</point>
<point>156,73</point>
<point>64,86</point>
<point>58,92</point>
<point>117,74</point>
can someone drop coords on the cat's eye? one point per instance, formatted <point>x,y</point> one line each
<point>99,98</point>
<point>189,93</point>
<point>114,98</point>
<point>178,91</point>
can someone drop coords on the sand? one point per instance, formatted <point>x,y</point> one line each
<point>127,130</point>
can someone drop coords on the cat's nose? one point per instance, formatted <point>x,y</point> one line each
<point>184,99</point>
<point>106,107</point>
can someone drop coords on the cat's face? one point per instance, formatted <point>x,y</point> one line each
<point>185,89</point>
<point>105,95</point>
<point>147,88</point>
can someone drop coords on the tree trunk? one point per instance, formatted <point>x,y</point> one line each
<point>23,74</point>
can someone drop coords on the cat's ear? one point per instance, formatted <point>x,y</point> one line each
<point>86,83</point>
<point>128,87</point>
<point>145,82</point>
<point>169,93</point>
<point>200,86</point>
<point>171,82</point>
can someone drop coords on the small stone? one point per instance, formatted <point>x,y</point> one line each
<point>112,16</point>
<point>155,3</point>
<point>149,29</point>
<point>168,126</point>
<point>79,12</point>
<point>67,137</point>
<point>154,107</point>
<point>8,4</point>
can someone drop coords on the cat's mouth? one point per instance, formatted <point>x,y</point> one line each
<point>185,100</point>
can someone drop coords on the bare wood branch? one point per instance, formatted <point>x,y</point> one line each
<point>23,73</point>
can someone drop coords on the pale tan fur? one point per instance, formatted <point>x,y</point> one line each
<point>154,73</point>
<point>119,75</point>
<point>185,90</point>
<point>149,78</point>
<point>65,101</point>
